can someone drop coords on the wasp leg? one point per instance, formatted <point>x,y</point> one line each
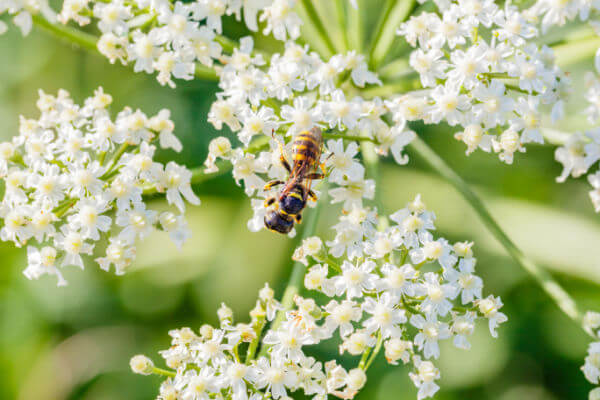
<point>284,161</point>
<point>323,168</point>
<point>269,185</point>
<point>315,175</point>
<point>322,165</point>
<point>312,195</point>
<point>282,158</point>
<point>298,218</point>
<point>269,201</point>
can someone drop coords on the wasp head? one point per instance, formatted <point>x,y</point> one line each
<point>277,222</point>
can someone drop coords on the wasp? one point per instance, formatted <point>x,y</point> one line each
<point>292,198</point>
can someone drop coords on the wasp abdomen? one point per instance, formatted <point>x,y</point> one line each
<point>307,146</point>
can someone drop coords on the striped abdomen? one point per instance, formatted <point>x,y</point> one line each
<point>307,147</point>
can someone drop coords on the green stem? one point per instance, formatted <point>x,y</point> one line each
<point>88,42</point>
<point>562,299</point>
<point>115,159</point>
<point>227,44</point>
<point>205,73</point>
<point>397,69</point>
<point>395,11</point>
<point>375,351</point>
<point>573,52</point>
<point>199,175</point>
<point>340,13</point>
<point>371,161</point>
<point>365,356</point>
<point>298,270</point>
<point>354,33</point>
<point>255,342</point>
<point>329,135</point>
<point>66,33</point>
<point>388,89</point>
<point>163,372</point>
<point>314,18</point>
<point>516,88</point>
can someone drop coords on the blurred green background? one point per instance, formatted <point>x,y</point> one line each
<point>75,342</point>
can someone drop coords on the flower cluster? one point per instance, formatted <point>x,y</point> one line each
<point>480,70</point>
<point>294,92</point>
<point>170,38</point>
<point>396,289</point>
<point>558,13</point>
<point>396,286</point>
<point>581,151</point>
<point>22,11</point>
<point>591,368</point>
<point>74,178</point>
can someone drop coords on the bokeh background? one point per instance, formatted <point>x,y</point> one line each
<point>75,342</point>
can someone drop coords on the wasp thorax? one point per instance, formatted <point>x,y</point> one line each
<point>292,204</point>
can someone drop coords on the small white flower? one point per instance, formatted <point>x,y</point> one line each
<point>489,308</point>
<point>430,332</point>
<point>355,279</point>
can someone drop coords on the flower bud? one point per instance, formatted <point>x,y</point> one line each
<point>356,379</point>
<point>266,293</point>
<point>140,364</point>
<point>225,313</point>
<point>591,321</point>
<point>206,331</point>
<point>396,349</point>
<point>258,312</point>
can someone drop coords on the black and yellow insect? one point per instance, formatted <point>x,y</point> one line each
<point>291,200</point>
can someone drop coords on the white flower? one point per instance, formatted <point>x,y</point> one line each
<point>475,137</point>
<point>591,368</point>
<point>385,316</point>
<point>118,253</point>
<point>176,181</point>
<point>267,297</point>
<point>339,112</point>
<point>352,193</point>
<point>424,378</point>
<point>176,226</point>
<point>287,342</point>
<point>343,165</point>
<point>429,65</point>
<point>434,250</point>
<point>437,294</point>
<point>273,377</point>
<point>200,384</point>
<point>470,284</point>
<point>398,280</point>
<point>355,279</point>
<point>358,342</point>
<point>136,223</point>
<point>342,315</point>
<point>463,326</point>
<point>281,20</point>
<point>430,332</point>
<point>489,308</point>
<point>73,244</point>
<point>449,104</point>
<point>42,261</point>
<point>88,219</point>
<point>572,156</point>
<point>316,279</point>
<point>310,246</point>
